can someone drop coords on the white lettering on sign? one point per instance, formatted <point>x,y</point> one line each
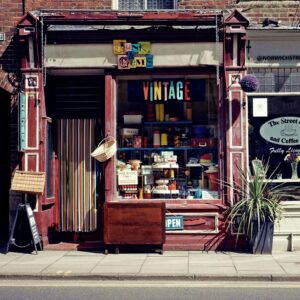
<point>282,131</point>
<point>174,223</point>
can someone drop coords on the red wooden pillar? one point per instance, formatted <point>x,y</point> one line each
<point>110,130</point>
<point>235,102</point>
<point>35,138</point>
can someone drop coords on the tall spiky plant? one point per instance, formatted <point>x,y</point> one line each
<point>258,201</point>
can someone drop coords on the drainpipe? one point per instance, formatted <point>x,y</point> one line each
<point>23,7</point>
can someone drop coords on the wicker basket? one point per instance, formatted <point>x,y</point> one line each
<point>106,149</point>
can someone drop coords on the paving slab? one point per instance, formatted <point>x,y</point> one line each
<point>121,261</point>
<point>129,269</point>
<point>291,268</point>
<point>170,253</point>
<point>165,265</point>
<point>20,269</point>
<point>212,270</point>
<point>60,268</point>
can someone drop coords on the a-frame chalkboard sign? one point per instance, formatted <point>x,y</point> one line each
<point>26,210</point>
<point>29,183</point>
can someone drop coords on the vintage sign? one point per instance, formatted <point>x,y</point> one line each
<point>283,131</point>
<point>174,222</point>
<point>166,90</point>
<point>133,55</point>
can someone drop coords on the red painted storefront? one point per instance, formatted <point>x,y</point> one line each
<point>46,31</point>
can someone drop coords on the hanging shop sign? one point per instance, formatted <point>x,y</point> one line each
<point>174,222</point>
<point>166,90</point>
<point>283,131</point>
<point>133,55</point>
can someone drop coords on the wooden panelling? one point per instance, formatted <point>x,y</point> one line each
<point>134,223</point>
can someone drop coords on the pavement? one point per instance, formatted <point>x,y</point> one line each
<point>171,265</point>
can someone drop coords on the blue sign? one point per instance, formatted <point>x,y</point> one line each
<point>174,222</point>
<point>22,122</point>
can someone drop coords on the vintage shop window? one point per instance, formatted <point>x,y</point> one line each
<point>145,4</point>
<point>274,135</point>
<point>168,139</point>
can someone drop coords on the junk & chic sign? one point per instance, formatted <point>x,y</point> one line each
<point>283,131</point>
<point>133,55</point>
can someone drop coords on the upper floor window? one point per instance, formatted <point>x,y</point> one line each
<point>145,4</point>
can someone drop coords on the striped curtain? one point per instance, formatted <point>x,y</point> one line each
<point>77,176</point>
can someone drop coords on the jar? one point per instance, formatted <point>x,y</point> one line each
<point>156,138</point>
<point>164,139</point>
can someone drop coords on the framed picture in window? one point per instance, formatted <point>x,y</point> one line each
<point>258,167</point>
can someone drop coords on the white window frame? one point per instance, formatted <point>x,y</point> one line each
<point>115,4</point>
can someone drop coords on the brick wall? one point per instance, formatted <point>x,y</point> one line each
<point>288,12</point>
<point>207,4</point>
<point>67,4</point>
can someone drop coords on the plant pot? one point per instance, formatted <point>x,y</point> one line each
<point>262,240</point>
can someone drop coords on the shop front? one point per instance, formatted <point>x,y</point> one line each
<point>273,116</point>
<point>162,87</point>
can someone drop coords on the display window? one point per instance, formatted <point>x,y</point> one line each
<point>167,132</point>
<point>274,136</point>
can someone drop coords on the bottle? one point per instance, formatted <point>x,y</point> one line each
<point>172,173</point>
<point>157,112</point>
<point>189,112</point>
<point>164,139</point>
<point>161,112</point>
<point>156,138</point>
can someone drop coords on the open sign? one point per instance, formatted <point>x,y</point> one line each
<point>174,222</point>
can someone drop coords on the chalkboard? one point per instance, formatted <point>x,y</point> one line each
<point>34,236</point>
<point>32,225</point>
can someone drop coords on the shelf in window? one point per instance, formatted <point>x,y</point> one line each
<point>199,165</point>
<point>169,123</point>
<point>162,149</point>
<point>284,180</point>
<point>165,192</point>
<point>165,166</point>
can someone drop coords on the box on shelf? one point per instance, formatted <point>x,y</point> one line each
<point>147,170</point>
<point>127,177</point>
<point>133,119</point>
<point>129,131</point>
<point>209,195</point>
<point>204,142</point>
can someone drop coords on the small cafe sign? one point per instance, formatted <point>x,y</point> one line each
<point>283,131</point>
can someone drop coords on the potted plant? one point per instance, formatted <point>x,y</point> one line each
<point>257,208</point>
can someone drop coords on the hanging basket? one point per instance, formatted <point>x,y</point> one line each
<point>106,149</point>
<point>249,83</point>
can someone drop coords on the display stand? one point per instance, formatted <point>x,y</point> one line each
<point>29,183</point>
